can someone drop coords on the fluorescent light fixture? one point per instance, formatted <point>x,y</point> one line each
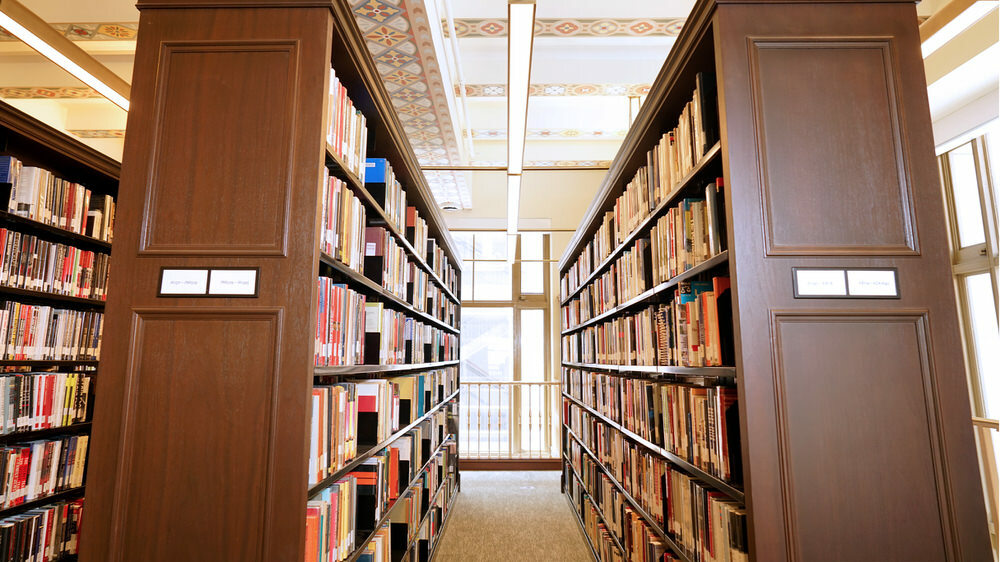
<point>513,202</point>
<point>975,12</point>
<point>520,33</point>
<point>9,10</point>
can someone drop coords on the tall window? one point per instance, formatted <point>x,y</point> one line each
<point>970,174</point>
<point>506,345</point>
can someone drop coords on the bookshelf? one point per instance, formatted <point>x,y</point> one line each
<point>220,433</point>
<point>24,369</point>
<point>841,419</point>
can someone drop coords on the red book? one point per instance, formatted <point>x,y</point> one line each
<point>312,533</point>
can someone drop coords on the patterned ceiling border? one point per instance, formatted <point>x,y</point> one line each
<point>669,27</point>
<point>97,133</point>
<point>500,90</point>
<point>547,163</point>
<point>48,92</point>
<point>550,134</point>
<point>90,31</point>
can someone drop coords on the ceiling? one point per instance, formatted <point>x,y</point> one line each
<point>444,64</point>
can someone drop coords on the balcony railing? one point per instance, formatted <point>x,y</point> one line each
<point>509,420</point>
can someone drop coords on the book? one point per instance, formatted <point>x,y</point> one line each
<point>52,532</point>
<point>27,262</point>
<point>38,332</point>
<point>37,469</point>
<point>342,223</point>
<point>346,128</point>
<point>381,183</point>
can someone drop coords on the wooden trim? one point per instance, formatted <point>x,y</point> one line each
<point>60,144</point>
<point>943,17</point>
<point>510,464</point>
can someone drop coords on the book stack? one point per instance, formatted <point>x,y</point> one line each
<point>438,262</point>
<point>392,338</point>
<point>27,262</point>
<point>342,220</point>
<point>416,232</point>
<point>632,273</point>
<point>31,401</point>
<point>688,234</point>
<point>38,469</point>
<point>347,130</point>
<point>330,527</point>
<point>37,332</point>
<point>688,331</point>
<point>702,520</point>
<point>385,261</point>
<point>418,288</point>
<point>340,324</point>
<point>43,534</point>
<point>37,194</point>
<point>381,183</point>
<point>334,429</point>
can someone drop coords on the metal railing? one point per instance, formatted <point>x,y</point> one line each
<point>509,420</point>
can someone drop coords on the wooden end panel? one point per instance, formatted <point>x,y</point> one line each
<point>224,114</point>
<point>815,202</point>
<point>183,468</point>
<point>859,438</point>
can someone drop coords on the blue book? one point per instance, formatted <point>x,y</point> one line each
<point>375,170</point>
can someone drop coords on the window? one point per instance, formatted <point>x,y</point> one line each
<point>970,174</point>
<point>510,398</point>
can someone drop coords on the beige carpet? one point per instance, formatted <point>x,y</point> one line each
<point>512,516</point>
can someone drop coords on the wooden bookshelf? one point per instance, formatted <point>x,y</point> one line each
<point>854,423</point>
<point>36,144</point>
<point>223,164</point>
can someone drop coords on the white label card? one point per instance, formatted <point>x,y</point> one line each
<point>184,282</point>
<point>820,283</point>
<point>872,283</point>
<point>233,282</point>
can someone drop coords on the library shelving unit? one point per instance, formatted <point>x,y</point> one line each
<point>844,350</point>
<point>36,144</point>
<point>202,437</point>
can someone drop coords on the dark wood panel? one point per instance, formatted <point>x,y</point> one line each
<point>252,190</point>
<point>762,279</point>
<point>864,207</point>
<point>202,199</point>
<point>859,438</point>
<point>172,469</point>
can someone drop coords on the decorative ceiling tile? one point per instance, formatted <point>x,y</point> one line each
<point>500,90</point>
<point>572,27</point>
<point>90,31</point>
<point>54,92</point>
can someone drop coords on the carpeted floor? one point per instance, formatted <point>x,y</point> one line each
<point>512,516</point>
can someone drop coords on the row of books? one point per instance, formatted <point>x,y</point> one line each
<point>697,423</point>
<point>438,262</point>
<point>37,332</point>
<point>708,526</point>
<point>416,232</point>
<point>667,163</point>
<point>597,532</point>
<point>44,534</point>
<point>640,542</point>
<point>342,220</point>
<point>330,535</point>
<point>354,415</point>
<point>692,330</point>
<point>351,330</point>
<point>346,128</point>
<point>392,338</point>
<point>37,194</point>
<point>342,516</point>
<point>28,262</point>
<point>386,262</point>
<point>687,235</point>
<point>38,469</point>
<point>381,183</point>
<point>33,401</point>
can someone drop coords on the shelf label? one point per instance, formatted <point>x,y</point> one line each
<point>819,283</point>
<point>872,283</point>
<point>183,282</point>
<point>836,283</point>
<point>233,282</point>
